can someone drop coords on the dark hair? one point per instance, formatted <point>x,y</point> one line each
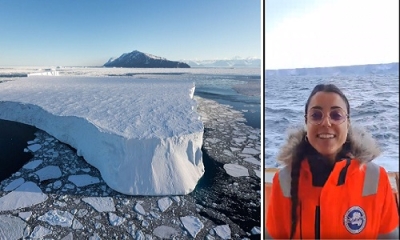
<point>304,147</point>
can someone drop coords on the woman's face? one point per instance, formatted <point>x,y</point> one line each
<point>327,123</point>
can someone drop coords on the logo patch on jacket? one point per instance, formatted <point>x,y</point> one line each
<point>355,220</point>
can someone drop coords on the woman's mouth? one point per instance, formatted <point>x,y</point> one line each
<point>326,136</point>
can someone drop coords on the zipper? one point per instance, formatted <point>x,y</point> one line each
<point>317,223</point>
<point>301,220</point>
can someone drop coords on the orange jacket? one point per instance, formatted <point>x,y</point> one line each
<point>362,206</point>
<point>352,210</point>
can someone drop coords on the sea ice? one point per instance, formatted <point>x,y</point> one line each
<point>26,195</point>
<point>252,160</point>
<point>39,232</point>
<point>25,215</point>
<point>14,184</point>
<point>139,209</point>
<point>164,203</point>
<point>101,204</point>
<point>114,219</point>
<point>83,180</point>
<point>165,232</point>
<point>11,227</point>
<point>192,224</point>
<point>49,172</point>
<point>223,231</point>
<point>236,170</point>
<point>32,165</point>
<point>34,147</point>
<point>256,230</point>
<point>144,135</point>
<point>57,217</point>
<point>250,151</point>
<point>70,236</point>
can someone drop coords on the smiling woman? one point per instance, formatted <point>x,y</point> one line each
<point>329,187</point>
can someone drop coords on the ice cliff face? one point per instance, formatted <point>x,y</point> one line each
<point>138,59</point>
<point>144,135</point>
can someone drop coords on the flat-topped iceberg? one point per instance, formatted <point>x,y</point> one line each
<point>144,135</point>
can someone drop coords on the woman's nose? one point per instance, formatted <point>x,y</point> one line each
<point>326,121</point>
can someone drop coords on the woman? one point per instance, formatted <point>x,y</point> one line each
<point>329,187</point>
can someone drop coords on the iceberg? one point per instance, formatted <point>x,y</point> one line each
<point>143,135</point>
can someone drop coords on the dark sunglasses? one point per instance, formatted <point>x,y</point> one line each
<point>336,116</point>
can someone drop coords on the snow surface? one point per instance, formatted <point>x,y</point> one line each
<point>11,227</point>
<point>144,135</point>
<point>26,195</point>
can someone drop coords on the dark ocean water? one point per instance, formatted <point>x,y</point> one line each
<point>241,92</point>
<point>13,140</point>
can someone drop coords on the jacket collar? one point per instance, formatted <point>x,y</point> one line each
<point>363,147</point>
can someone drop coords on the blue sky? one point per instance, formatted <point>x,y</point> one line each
<point>88,33</point>
<point>318,33</point>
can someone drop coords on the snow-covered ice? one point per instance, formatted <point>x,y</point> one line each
<point>26,195</point>
<point>236,170</point>
<point>33,164</point>
<point>139,209</point>
<point>164,203</point>
<point>14,184</point>
<point>192,224</point>
<point>11,227</point>
<point>101,204</point>
<point>223,231</point>
<point>49,172</point>
<point>144,135</point>
<point>165,232</point>
<point>34,147</point>
<point>57,217</point>
<point>25,215</point>
<point>114,219</point>
<point>83,180</point>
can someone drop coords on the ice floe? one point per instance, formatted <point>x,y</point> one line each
<point>101,204</point>
<point>164,203</point>
<point>14,184</point>
<point>223,231</point>
<point>33,164</point>
<point>192,224</point>
<point>236,170</point>
<point>49,172</point>
<point>57,217</point>
<point>83,180</point>
<point>11,227</point>
<point>26,195</point>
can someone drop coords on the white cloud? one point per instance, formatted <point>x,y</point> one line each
<point>340,32</point>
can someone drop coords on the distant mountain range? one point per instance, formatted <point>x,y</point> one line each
<point>137,59</point>
<point>236,62</point>
<point>382,68</point>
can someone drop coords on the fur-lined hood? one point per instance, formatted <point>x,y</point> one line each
<point>364,147</point>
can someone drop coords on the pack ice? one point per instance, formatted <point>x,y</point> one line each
<point>144,135</point>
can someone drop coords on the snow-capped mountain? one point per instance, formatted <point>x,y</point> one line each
<point>136,59</point>
<point>236,62</point>
<point>339,70</point>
